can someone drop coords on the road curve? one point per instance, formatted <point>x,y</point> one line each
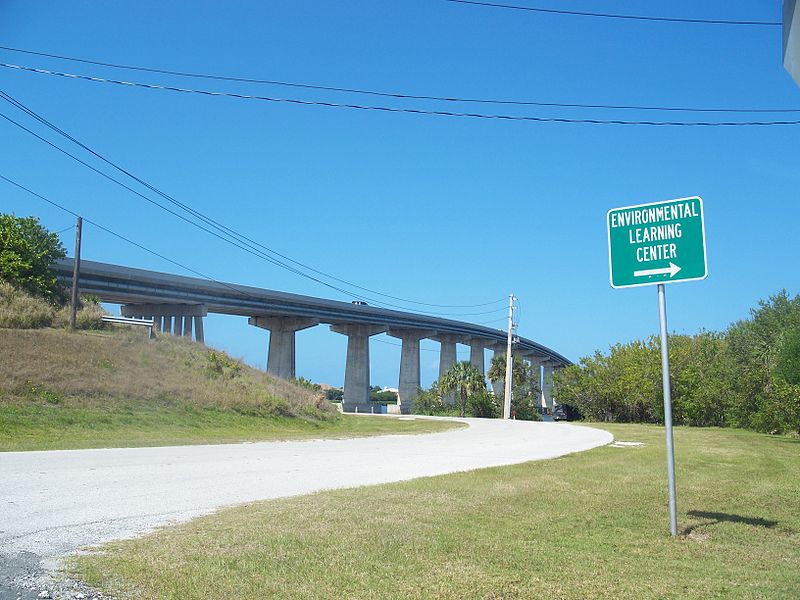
<point>55,502</point>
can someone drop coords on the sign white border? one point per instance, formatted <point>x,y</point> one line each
<point>665,281</point>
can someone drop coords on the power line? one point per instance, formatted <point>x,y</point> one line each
<point>126,239</point>
<point>240,241</point>
<point>151,201</point>
<point>399,95</point>
<point>388,109</point>
<point>224,229</point>
<point>120,236</point>
<point>576,13</point>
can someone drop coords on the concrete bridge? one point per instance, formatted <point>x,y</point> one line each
<point>178,304</point>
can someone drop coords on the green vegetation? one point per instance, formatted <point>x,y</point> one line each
<point>525,389</point>
<point>475,399</point>
<point>464,377</point>
<point>589,525</point>
<point>20,310</point>
<point>26,252</point>
<point>116,388</point>
<point>377,395</point>
<point>748,376</point>
<point>334,395</point>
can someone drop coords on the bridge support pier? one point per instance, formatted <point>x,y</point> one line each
<point>356,374</point>
<point>476,357</point>
<point>547,387</point>
<point>171,318</point>
<point>282,330</point>
<point>536,370</point>
<point>409,384</point>
<point>447,358</point>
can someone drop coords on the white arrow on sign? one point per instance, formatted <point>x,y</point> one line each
<point>672,269</point>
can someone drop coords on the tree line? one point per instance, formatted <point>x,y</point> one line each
<point>747,376</point>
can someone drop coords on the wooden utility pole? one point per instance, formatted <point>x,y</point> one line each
<point>76,272</point>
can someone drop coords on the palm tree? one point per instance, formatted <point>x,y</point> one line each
<point>465,376</point>
<point>520,372</point>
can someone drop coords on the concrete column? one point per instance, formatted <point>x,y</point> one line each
<point>281,353</point>
<point>476,359</point>
<point>356,375</point>
<point>409,383</point>
<point>171,318</point>
<point>447,358</point>
<point>547,387</point>
<point>536,368</point>
<point>198,330</point>
<point>499,386</point>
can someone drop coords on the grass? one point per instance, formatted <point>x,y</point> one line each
<point>135,424</point>
<point>590,525</point>
<point>95,389</point>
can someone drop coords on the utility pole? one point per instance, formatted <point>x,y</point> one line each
<point>509,363</point>
<point>76,272</point>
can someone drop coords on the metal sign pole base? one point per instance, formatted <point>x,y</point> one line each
<point>662,314</point>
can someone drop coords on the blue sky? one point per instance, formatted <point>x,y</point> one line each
<point>443,210</point>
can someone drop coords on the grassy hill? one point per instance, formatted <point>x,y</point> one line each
<point>114,388</point>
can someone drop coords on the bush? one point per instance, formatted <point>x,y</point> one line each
<point>307,383</point>
<point>524,407</point>
<point>88,317</point>
<point>429,402</point>
<point>27,250</point>
<point>19,310</point>
<point>334,395</point>
<point>483,404</point>
<point>748,376</point>
<point>221,366</point>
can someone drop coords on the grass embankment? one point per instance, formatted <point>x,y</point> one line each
<point>116,388</point>
<point>591,525</point>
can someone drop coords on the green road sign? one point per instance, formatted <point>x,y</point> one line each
<point>662,242</point>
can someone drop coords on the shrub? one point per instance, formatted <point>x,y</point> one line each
<point>221,366</point>
<point>483,404</point>
<point>429,402</point>
<point>88,317</point>
<point>26,252</point>
<point>334,395</point>
<point>19,310</point>
<point>524,407</point>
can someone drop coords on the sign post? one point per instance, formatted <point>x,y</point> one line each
<point>656,244</point>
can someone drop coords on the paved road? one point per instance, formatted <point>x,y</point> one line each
<point>55,502</point>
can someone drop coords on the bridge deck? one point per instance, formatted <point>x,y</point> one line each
<point>125,285</point>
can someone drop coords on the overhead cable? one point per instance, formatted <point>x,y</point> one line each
<point>120,236</point>
<point>124,238</point>
<point>228,235</point>
<point>576,13</point>
<point>399,95</point>
<point>405,110</point>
